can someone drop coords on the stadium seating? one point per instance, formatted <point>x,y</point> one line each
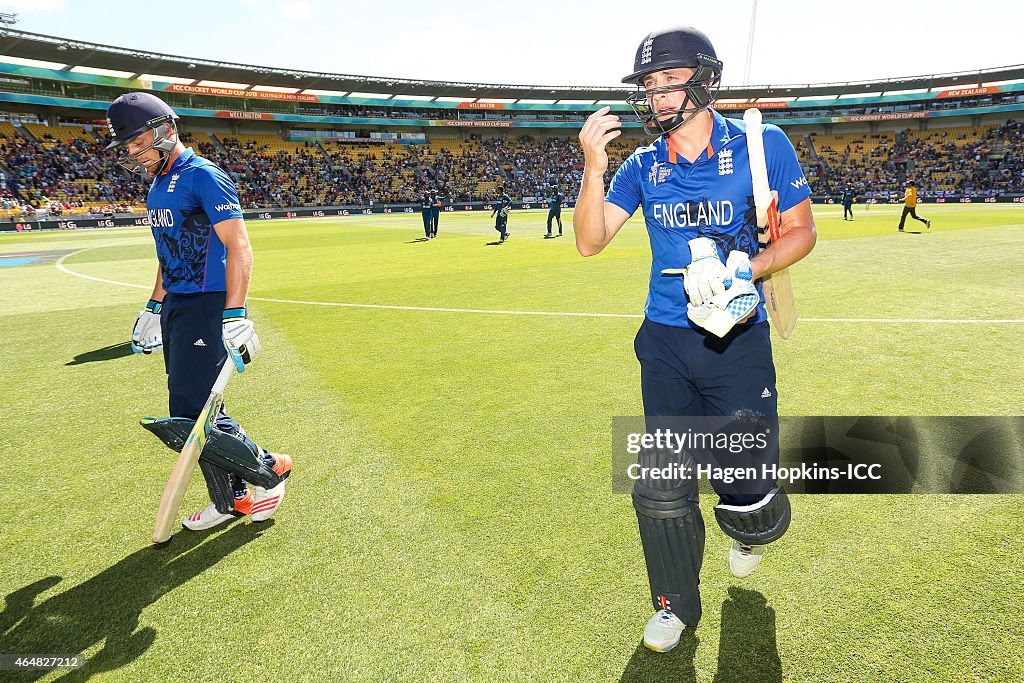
<point>947,161</point>
<point>66,163</point>
<point>48,136</point>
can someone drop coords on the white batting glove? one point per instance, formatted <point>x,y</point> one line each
<point>722,312</point>
<point>239,337</point>
<point>146,335</point>
<point>704,277</point>
<point>738,265</point>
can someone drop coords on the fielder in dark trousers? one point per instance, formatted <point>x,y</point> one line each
<point>427,212</point>
<point>435,214</point>
<point>555,210</point>
<point>197,310</point>
<point>848,204</point>
<point>910,207</point>
<point>502,204</point>
<point>693,185</point>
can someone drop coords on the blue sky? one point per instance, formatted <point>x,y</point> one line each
<point>534,42</point>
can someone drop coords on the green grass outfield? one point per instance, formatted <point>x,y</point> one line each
<point>450,515</point>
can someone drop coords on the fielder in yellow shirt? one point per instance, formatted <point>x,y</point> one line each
<point>910,207</point>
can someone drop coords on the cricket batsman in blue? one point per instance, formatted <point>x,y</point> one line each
<point>197,311</point>
<point>694,187</point>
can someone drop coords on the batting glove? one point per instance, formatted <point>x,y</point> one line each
<point>737,265</point>
<point>723,311</point>
<point>146,335</point>
<point>239,337</point>
<point>703,278</point>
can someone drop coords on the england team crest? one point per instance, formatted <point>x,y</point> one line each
<point>725,162</point>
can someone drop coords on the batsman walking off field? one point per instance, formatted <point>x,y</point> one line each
<point>197,311</point>
<point>704,346</point>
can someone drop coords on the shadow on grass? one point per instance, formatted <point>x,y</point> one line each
<point>674,666</point>
<point>107,606</point>
<point>494,244</point>
<point>106,353</point>
<point>418,240</point>
<point>747,648</point>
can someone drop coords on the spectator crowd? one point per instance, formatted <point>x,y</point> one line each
<point>67,176</point>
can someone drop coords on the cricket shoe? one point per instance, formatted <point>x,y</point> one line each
<point>663,631</point>
<point>209,517</point>
<point>743,559</point>
<point>266,501</point>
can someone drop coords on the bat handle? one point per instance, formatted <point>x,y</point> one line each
<point>226,371</point>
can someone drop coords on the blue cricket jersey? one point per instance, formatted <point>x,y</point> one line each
<point>183,206</point>
<point>435,206</point>
<point>503,201</point>
<point>711,197</point>
<point>427,206</point>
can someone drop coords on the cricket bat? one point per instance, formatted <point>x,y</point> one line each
<point>777,287</point>
<point>177,484</point>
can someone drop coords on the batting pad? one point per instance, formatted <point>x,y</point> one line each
<point>225,451</point>
<point>172,431</point>
<point>672,536</point>
<point>218,485</point>
<point>763,522</point>
<point>232,454</point>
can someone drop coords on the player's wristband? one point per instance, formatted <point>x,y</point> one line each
<point>154,306</point>
<point>233,314</point>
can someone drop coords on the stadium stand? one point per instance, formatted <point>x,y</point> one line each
<point>66,164</point>
<point>943,162</point>
<point>944,131</point>
<point>77,173</point>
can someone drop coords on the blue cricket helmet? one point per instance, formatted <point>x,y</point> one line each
<point>134,113</point>
<point>675,48</point>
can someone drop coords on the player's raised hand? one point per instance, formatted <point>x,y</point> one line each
<point>600,128</point>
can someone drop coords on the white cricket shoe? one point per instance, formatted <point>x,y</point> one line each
<point>266,501</point>
<point>209,517</point>
<point>663,631</point>
<point>743,559</point>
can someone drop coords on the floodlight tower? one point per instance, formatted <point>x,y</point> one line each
<point>750,43</point>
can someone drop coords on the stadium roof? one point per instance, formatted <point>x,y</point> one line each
<point>75,53</point>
